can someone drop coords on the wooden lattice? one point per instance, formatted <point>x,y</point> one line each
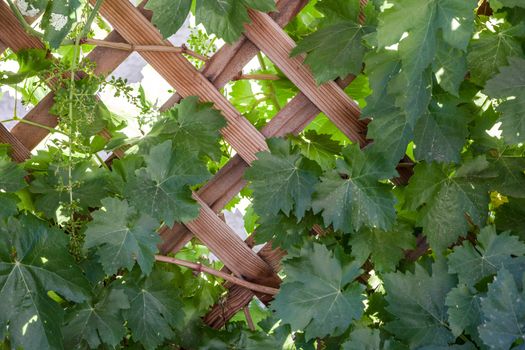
<point>132,25</point>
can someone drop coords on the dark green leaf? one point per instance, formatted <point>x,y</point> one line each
<point>122,235</point>
<point>31,62</point>
<point>492,252</point>
<point>441,133</point>
<point>511,216</point>
<point>352,196</point>
<point>169,15</point>
<point>58,20</point>
<point>509,85</point>
<point>284,231</point>
<point>11,176</point>
<point>491,51</point>
<point>385,248</point>
<point>89,183</point>
<point>318,295</point>
<point>98,322</point>
<point>34,260</point>
<point>503,312</point>
<point>162,189</point>
<point>464,312</point>
<point>334,51</point>
<point>155,307</point>
<point>193,127</point>
<point>282,180</point>
<point>363,339</point>
<point>226,18</point>
<point>421,314</point>
<point>448,199</point>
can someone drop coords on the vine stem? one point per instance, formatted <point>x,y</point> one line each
<point>235,280</point>
<point>140,48</point>
<point>273,95</point>
<point>23,21</point>
<point>38,125</point>
<point>73,70</point>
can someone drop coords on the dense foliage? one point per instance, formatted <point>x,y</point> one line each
<point>372,263</point>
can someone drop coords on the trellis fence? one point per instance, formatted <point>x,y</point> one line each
<point>132,25</point>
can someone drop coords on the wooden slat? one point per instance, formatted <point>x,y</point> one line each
<point>328,97</point>
<point>230,248</point>
<point>181,74</point>
<point>238,297</point>
<point>229,60</point>
<point>228,181</point>
<point>12,33</point>
<point>106,61</point>
<point>18,152</point>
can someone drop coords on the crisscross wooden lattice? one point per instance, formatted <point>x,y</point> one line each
<point>132,25</point>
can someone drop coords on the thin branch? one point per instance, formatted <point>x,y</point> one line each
<point>200,268</point>
<point>256,77</point>
<point>91,18</point>
<point>133,47</point>
<point>249,319</point>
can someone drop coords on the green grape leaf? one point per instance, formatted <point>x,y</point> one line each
<point>34,260</point>
<point>448,23</point>
<point>449,67</point>
<point>162,189</point>
<point>390,128</point>
<point>511,217</point>
<point>510,167</point>
<point>448,198</point>
<point>513,3</point>
<point>319,148</point>
<point>363,339</point>
<point>492,252</point>
<point>226,18</point>
<point>503,312</point>
<point>491,51</point>
<point>318,295</point>
<point>8,205</point>
<point>155,307</point>
<point>385,248</point>
<point>282,180</point>
<point>58,20</point>
<point>284,231</point>
<point>464,311</point>
<point>336,49</point>
<point>169,15</point>
<point>122,235</point>
<point>351,196</point>
<point>31,62</point>
<point>191,126</point>
<point>441,133</point>
<point>509,85</point>
<point>12,176</point>
<point>421,315</point>
<point>89,182</point>
<point>98,322</point>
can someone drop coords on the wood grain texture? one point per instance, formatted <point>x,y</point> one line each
<point>181,74</point>
<point>106,60</point>
<point>19,152</point>
<point>328,97</point>
<point>230,248</point>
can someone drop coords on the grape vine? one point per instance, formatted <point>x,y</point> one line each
<point>372,261</point>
